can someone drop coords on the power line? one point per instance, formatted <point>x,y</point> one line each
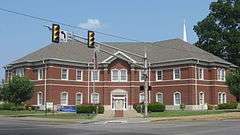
<point>64,24</point>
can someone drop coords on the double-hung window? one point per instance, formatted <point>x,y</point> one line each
<point>159,75</point>
<point>159,97</point>
<point>119,75</point>
<point>20,72</point>
<point>79,98</point>
<point>40,73</point>
<point>141,97</point>
<point>221,74</point>
<point>95,75</point>
<point>141,75</point>
<point>176,73</point>
<point>177,98</point>
<point>39,98</point>
<point>79,75</point>
<point>64,74</point>
<point>200,73</point>
<point>222,98</point>
<point>95,98</point>
<point>64,98</point>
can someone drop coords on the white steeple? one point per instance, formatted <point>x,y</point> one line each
<point>184,31</point>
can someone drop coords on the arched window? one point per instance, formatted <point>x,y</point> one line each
<point>177,98</point>
<point>40,98</point>
<point>64,98</point>
<point>79,98</point>
<point>95,98</point>
<point>222,97</point>
<point>141,97</point>
<point>159,97</point>
<point>201,98</point>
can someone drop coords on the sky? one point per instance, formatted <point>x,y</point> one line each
<point>143,20</point>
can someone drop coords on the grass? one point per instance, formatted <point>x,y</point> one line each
<point>42,114</point>
<point>186,113</point>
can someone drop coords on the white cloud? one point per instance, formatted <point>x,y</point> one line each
<point>91,24</point>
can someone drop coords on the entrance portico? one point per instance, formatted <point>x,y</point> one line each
<point>119,99</point>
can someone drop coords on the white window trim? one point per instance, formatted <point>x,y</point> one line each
<point>174,74</point>
<point>174,99</point>
<point>112,75</point>
<point>81,97</point>
<point>21,72</point>
<point>39,71</point>
<point>157,75</point>
<point>224,73</point>
<point>39,98</point>
<point>140,75</point>
<point>61,98</point>
<point>66,75</point>
<point>81,75</point>
<point>202,78</point>
<point>157,97</point>
<point>140,97</point>
<point>119,75</point>
<point>98,73</point>
<point>92,98</point>
<point>202,99</point>
<point>221,97</point>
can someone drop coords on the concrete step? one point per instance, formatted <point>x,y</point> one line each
<point>110,114</point>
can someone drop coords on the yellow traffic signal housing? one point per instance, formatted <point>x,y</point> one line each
<point>55,33</point>
<point>91,39</point>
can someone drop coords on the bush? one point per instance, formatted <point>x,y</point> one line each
<point>18,108</point>
<point>85,108</point>
<point>100,109</point>
<point>90,108</point>
<point>6,106</point>
<point>211,107</point>
<point>156,107</point>
<point>229,105</point>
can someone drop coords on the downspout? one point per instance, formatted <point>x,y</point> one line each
<point>45,85</point>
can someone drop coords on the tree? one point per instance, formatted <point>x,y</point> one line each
<point>219,32</point>
<point>233,81</point>
<point>18,90</point>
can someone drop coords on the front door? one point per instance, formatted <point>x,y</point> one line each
<point>119,102</point>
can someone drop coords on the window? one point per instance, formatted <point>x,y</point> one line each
<point>159,75</point>
<point>221,74</point>
<point>201,98</point>
<point>141,97</point>
<point>20,72</point>
<point>95,75</point>
<point>79,75</point>
<point>64,98</point>
<point>79,98</point>
<point>119,75</point>
<point>200,73</point>
<point>177,98</point>
<point>40,73</point>
<point>95,98</point>
<point>64,74</point>
<point>176,74</point>
<point>39,98</point>
<point>222,98</point>
<point>159,97</point>
<point>141,75</point>
<point>123,75</point>
<point>114,75</point>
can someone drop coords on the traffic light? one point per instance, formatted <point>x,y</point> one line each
<point>91,39</point>
<point>55,33</point>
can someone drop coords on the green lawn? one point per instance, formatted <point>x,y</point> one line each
<point>42,114</point>
<point>186,113</point>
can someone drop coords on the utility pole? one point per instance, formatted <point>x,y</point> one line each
<point>145,85</point>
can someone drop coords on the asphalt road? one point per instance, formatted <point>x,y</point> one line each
<point>20,127</point>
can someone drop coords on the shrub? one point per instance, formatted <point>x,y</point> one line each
<point>6,106</point>
<point>18,108</point>
<point>211,107</point>
<point>90,108</point>
<point>156,107</point>
<point>100,109</point>
<point>229,105</point>
<point>182,107</point>
<point>85,108</point>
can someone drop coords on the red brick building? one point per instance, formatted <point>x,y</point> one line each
<point>179,73</point>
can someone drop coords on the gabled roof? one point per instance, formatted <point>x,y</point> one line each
<point>158,52</point>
